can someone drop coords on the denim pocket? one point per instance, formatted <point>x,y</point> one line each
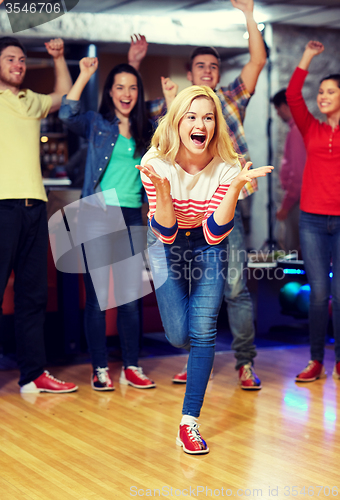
<point>100,136</point>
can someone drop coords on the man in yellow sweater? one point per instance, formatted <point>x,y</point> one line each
<point>23,220</point>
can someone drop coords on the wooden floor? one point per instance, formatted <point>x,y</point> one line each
<point>274,443</point>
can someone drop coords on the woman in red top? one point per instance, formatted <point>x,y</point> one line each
<point>320,208</point>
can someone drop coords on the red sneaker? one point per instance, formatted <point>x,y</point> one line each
<point>101,380</point>
<point>313,371</point>
<point>180,378</point>
<point>133,375</point>
<point>336,371</point>
<point>248,379</point>
<point>191,440</point>
<point>47,383</point>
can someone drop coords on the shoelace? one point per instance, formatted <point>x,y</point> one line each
<point>140,372</point>
<point>102,374</point>
<point>193,433</point>
<point>53,378</point>
<point>310,365</point>
<point>247,372</point>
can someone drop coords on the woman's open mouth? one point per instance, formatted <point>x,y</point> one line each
<point>198,139</point>
<point>125,104</point>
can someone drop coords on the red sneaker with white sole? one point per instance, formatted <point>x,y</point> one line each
<point>101,380</point>
<point>248,379</point>
<point>133,375</point>
<point>47,383</point>
<point>180,378</point>
<point>313,371</point>
<point>191,440</point>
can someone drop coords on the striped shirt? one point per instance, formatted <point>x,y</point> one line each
<point>195,197</point>
<point>234,99</point>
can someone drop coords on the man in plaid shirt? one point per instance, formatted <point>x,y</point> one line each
<point>205,70</point>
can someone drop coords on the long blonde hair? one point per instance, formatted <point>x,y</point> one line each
<point>166,138</point>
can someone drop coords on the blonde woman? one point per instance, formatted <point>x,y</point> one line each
<point>192,177</point>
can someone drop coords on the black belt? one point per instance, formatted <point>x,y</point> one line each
<point>27,202</point>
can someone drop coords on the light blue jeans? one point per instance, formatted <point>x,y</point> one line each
<point>237,296</point>
<point>320,245</point>
<point>189,278</point>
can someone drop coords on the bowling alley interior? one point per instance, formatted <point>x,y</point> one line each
<point>270,410</point>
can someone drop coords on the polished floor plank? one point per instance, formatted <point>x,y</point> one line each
<point>106,445</point>
<point>11,492</point>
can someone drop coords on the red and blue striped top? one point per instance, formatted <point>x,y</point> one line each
<point>195,197</point>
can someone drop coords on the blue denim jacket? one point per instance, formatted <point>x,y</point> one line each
<point>101,135</point>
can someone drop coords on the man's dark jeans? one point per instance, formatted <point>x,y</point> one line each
<point>23,248</point>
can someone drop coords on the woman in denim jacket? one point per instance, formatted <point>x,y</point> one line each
<point>110,221</point>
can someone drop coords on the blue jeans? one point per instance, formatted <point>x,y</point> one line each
<point>103,249</point>
<point>189,280</point>
<point>320,245</point>
<point>237,296</point>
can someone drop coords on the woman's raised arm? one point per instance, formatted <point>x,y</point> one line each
<point>88,66</point>
<point>312,49</point>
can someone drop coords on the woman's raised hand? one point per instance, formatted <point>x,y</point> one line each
<point>248,174</point>
<point>137,51</point>
<point>161,184</point>
<point>88,65</point>
<point>314,47</point>
<point>243,5</point>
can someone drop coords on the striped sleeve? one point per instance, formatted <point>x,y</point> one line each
<point>164,234</point>
<point>214,233</point>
